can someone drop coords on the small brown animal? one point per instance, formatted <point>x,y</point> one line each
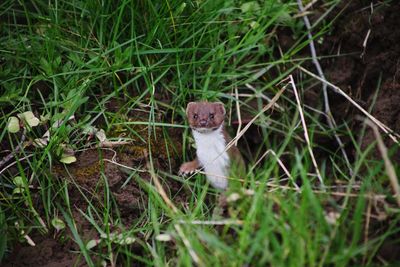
<point>206,119</point>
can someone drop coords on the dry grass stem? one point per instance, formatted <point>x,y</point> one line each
<point>192,253</point>
<point>268,106</point>
<point>171,205</point>
<point>392,134</point>
<point>330,119</point>
<point>220,222</point>
<point>390,171</point>
<point>157,184</point>
<point>238,113</point>
<point>365,43</point>
<point>124,166</point>
<point>303,121</point>
<point>310,4</point>
<point>261,95</point>
<point>270,151</point>
<point>366,229</point>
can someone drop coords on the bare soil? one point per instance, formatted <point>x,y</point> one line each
<point>370,70</point>
<point>86,179</point>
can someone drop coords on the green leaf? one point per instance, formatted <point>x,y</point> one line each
<point>121,239</point>
<point>18,181</point>
<point>58,224</point>
<point>45,119</point>
<point>92,243</point>
<point>18,190</point>
<point>250,7</point>
<point>88,129</point>
<point>124,239</point>
<point>46,66</point>
<point>68,159</point>
<point>4,232</point>
<point>40,142</point>
<point>180,9</point>
<point>13,125</point>
<point>254,24</point>
<point>29,118</point>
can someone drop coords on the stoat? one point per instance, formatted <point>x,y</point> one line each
<point>206,119</point>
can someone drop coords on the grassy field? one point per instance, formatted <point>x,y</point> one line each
<point>130,67</point>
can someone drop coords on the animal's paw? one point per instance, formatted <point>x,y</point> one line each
<point>187,168</point>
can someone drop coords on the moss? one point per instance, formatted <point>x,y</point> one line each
<point>86,173</point>
<point>82,174</point>
<point>161,147</point>
<point>135,152</point>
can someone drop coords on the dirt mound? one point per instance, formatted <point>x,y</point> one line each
<point>47,253</point>
<point>366,38</point>
<point>86,178</point>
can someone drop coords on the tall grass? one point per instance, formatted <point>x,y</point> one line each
<point>64,58</point>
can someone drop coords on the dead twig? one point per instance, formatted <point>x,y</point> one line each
<point>16,150</point>
<point>112,144</point>
<point>15,162</point>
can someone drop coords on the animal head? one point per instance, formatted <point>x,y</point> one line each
<point>205,116</point>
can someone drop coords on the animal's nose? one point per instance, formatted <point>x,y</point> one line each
<point>203,123</point>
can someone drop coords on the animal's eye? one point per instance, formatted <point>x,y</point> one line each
<point>195,116</point>
<point>211,116</point>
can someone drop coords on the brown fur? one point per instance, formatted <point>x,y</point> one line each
<point>209,115</point>
<point>205,114</point>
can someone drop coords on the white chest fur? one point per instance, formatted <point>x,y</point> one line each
<point>212,157</point>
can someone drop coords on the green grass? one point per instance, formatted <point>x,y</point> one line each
<point>79,57</point>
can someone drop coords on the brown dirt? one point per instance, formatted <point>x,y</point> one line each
<point>47,253</point>
<point>358,76</point>
<point>86,174</point>
<point>365,72</point>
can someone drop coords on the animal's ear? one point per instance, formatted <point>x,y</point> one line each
<point>220,107</point>
<point>189,107</point>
